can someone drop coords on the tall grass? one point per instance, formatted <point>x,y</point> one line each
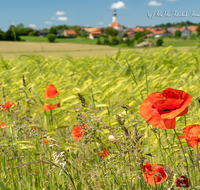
<point>108,102</point>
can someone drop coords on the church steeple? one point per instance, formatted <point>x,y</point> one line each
<point>114,16</point>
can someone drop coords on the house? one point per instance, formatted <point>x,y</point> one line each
<point>114,23</point>
<point>138,29</point>
<point>69,33</point>
<point>94,34</point>
<point>42,33</point>
<point>185,32</point>
<point>91,29</point>
<point>59,33</point>
<point>192,28</point>
<point>130,33</point>
<point>159,33</point>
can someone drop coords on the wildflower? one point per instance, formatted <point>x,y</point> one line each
<point>7,105</point>
<point>33,128</point>
<point>104,152</point>
<point>51,92</point>
<point>27,110</point>
<point>161,109</point>
<point>182,182</point>
<point>191,133</point>
<point>111,138</point>
<point>78,131</point>
<point>45,141</point>
<point>51,107</point>
<point>2,124</point>
<point>156,176</point>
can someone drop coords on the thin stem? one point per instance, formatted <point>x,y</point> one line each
<point>183,155</point>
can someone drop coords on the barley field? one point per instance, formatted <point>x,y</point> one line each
<point>76,123</point>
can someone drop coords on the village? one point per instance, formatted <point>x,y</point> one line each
<point>94,32</point>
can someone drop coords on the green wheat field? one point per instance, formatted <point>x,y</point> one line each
<point>37,151</point>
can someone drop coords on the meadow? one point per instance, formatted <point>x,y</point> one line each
<point>100,99</point>
<point>77,40</point>
<point>57,50</point>
<point>167,41</point>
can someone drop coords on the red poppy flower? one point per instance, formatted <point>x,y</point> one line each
<point>7,105</point>
<point>182,182</point>
<point>191,133</point>
<point>2,124</point>
<point>51,92</point>
<point>45,141</point>
<point>33,128</point>
<point>50,107</point>
<point>78,131</point>
<point>161,110</point>
<point>156,176</point>
<point>104,152</point>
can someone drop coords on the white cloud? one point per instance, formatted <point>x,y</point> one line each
<point>47,22</point>
<point>100,23</point>
<point>118,5</point>
<point>59,13</point>
<point>154,3</point>
<point>32,25</point>
<point>53,18</point>
<point>62,18</point>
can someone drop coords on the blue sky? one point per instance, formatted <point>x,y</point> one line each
<point>45,13</point>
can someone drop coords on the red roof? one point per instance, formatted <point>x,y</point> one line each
<point>159,32</point>
<point>129,33</point>
<point>192,28</point>
<point>113,24</point>
<point>70,32</point>
<point>137,29</point>
<point>95,32</point>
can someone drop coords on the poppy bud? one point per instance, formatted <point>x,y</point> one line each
<point>182,182</point>
<point>45,141</point>
<point>111,138</point>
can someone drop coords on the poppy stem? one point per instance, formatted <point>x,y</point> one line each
<point>197,156</point>
<point>184,156</point>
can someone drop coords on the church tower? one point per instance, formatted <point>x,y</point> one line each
<point>114,19</point>
<point>114,23</point>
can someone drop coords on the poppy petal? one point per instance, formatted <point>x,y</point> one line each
<point>152,116</point>
<point>181,94</point>
<point>181,137</point>
<point>192,143</point>
<point>169,104</point>
<point>51,91</point>
<point>183,112</point>
<point>155,97</point>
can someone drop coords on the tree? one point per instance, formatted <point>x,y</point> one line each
<point>53,30</point>
<point>140,39</point>
<point>33,33</point>
<point>147,32</point>
<point>51,37</point>
<point>12,34</point>
<point>20,26</point>
<point>159,42</point>
<point>76,28</point>
<point>111,31</point>
<point>138,35</point>
<point>198,29</point>
<point>83,33</point>
<point>1,34</point>
<point>177,34</point>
